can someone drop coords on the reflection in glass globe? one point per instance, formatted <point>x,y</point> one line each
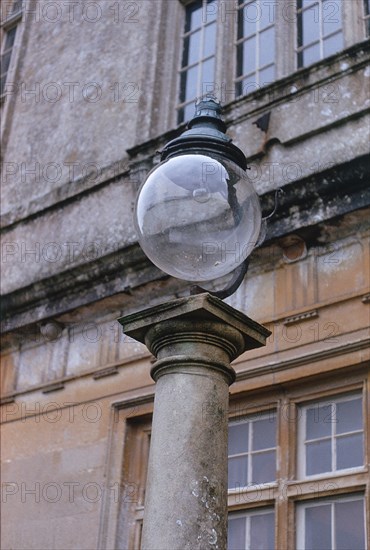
<point>197,217</point>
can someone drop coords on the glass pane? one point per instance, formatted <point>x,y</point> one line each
<point>193,48</point>
<point>349,416</point>
<point>333,44</point>
<point>10,36</point>
<point>188,111</point>
<point>210,11</point>
<point>236,533</point>
<point>262,532</point>
<point>267,47</point>
<point>318,528</point>
<point>2,83</point>
<point>331,16</point>
<point>238,472</point>
<point>311,27</point>
<point>238,438</point>
<point>248,20</point>
<point>209,47</point>
<point>250,84</point>
<point>208,73</point>
<point>264,434</point>
<point>263,467</point>
<point>319,419</point>
<point>183,77</point>
<point>267,15</point>
<point>5,61</point>
<point>193,16</point>
<point>350,525</point>
<point>318,457</point>
<point>350,451</point>
<point>191,83</point>
<point>267,75</point>
<point>305,3</point>
<point>311,55</point>
<point>249,56</point>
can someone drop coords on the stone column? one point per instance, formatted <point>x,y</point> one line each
<point>194,339</point>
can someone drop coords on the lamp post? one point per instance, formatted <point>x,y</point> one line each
<point>193,208</point>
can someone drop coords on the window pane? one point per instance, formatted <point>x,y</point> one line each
<point>264,434</point>
<point>311,55</point>
<point>238,438</point>
<point>248,17</point>
<point>331,16</point>
<point>319,420</point>
<point>238,472</point>
<point>10,36</point>
<point>263,467</point>
<point>268,12</point>
<point>188,112</point>
<point>350,451</point>
<point>209,47</point>
<point>262,532</point>
<point>333,44</point>
<point>193,16</point>
<point>249,56</point>
<point>267,76</point>
<point>349,416</point>
<point>191,83</point>
<point>208,72</point>
<point>5,61</point>
<point>236,533</point>
<point>318,527</point>
<point>192,43</point>
<point>210,11</point>
<point>310,23</point>
<point>350,525</point>
<point>250,84</point>
<point>318,457</point>
<point>267,47</point>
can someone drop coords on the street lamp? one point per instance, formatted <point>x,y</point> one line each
<point>197,215</point>
<point>195,204</point>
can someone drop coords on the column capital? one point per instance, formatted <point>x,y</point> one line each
<point>202,307</point>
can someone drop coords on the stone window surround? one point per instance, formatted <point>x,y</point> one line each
<point>133,419</point>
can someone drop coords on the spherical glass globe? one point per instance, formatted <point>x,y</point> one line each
<point>197,217</point>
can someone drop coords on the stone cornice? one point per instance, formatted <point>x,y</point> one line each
<point>316,200</point>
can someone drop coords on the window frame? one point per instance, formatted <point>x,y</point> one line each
<point>252,512</point>
<point>303,506</point>
<point>300,451</point>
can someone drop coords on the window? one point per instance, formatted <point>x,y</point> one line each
<point>8,37</point>
<point>236,47</point>
<point>255,46</point>
<point>332,437</point>
<point>280,493</point>
<point>251,530</point>
<point>338,524</point>
<point>252,451</point>
<point>367,16</point>
<point>319,30</point>
<point>198,55</point>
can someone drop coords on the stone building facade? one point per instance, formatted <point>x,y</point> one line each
<point>91,91</point>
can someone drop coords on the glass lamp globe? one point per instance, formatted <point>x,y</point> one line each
<point>197,216</point>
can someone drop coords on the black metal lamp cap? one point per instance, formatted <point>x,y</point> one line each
<point>206,134</point>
